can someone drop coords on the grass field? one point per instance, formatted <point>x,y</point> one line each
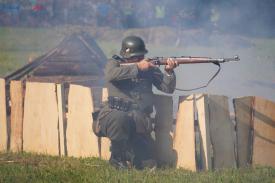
<point>19,44</point>
<point>41,168</point>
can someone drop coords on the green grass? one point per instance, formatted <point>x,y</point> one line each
<point>19,44</point>
<point>25,167</point>
<point>12,60</point>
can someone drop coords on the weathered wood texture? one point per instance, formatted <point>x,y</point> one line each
<point>105,143</point>
<point>77,57</point>
<point>61,117</point>
<point>184,137</point>
<point>17,106</point>
<point>264,132</point>
<point>67,68</point>
<point>204,130</point>
<point>40,122</point>
<point>243,118</point>
<point>104,95</point>
<point>3,117</point>
<point>221,132</point>
<point>81,141</point>
<point>163,126</point>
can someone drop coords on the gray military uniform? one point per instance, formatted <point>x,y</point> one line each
<point>130,84</point>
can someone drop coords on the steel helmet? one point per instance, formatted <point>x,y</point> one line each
<point>132,46</point>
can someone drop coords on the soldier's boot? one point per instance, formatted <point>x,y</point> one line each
<point>118,155</point>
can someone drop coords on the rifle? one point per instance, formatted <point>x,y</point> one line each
<point>185,60</point>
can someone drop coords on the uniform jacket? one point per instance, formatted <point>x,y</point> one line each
<point>129,83</point>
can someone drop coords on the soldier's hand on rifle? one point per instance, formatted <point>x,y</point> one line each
<point>171,64</point>
<point>144,65</point>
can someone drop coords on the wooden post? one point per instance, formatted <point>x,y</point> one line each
<point>40,122</point>
<point>17,109</point>
<point>184,137</point>
<point>81,141</point>
<point>3,117</point>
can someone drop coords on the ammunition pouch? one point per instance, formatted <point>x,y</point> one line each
<point>120,104</point>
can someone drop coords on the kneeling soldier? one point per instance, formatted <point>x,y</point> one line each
<point>125,120</point>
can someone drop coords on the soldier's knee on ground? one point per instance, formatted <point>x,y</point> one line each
<point>120,126</point>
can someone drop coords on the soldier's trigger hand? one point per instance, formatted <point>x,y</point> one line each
<point>144,65</point>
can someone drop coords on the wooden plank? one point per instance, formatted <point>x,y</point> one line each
<point>16,134</point>
<point>105,143</point>
<point>204,131</point>
<point>243,117</point>
<point>221,132</point>
<point>81,141</point>
<point>264,132</point>
<point>184,137</point>
<point>3,117</point>
<point>40,123</point>
<point>104,94</point>
<point>61,117</point>
<point>163,126</point>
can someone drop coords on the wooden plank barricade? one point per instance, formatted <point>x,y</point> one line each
<point>3,117</point>
<point>214,145</point>
<point>264,132</point>
<point>184,137</point>
<point>255,120</point>
<point>40,122</point>
<point>16,122</point>
<point>203,137</point>
<point>81,141</point>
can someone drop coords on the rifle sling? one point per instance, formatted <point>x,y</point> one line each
<point>204,86</point>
